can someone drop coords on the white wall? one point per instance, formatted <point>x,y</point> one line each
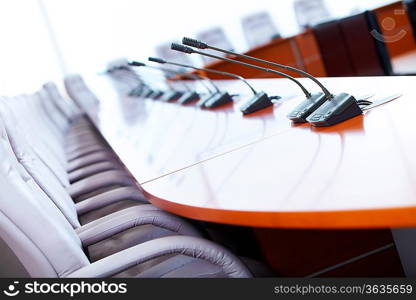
<point>92,32</point>
<point>27,58</point>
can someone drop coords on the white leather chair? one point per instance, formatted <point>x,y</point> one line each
<point>40,239</point>
<point>108,222</point>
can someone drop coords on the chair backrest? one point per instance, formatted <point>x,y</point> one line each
<point>349,47</point>
<point>333,49</point>
<point>36,133</point>
<point>411,12</point>
<point>36,231</point>
<point>54,113</point>
<point>41,174</point>
<point>34,121</point>
<point>368,55</point>
<point>80,92</point>
<point>66,106</point>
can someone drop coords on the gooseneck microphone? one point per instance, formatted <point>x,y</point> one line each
<point>170,95</point>
<point>318,109</point>
<point>184,74</point>
<point>304,109</point>
<point>126,80</point>
<point>201,45</point>
<point>312,101</point>
<point>259,101</point>
<point>165,71</point>
<point>173,95</point>
<point>189,50</point>
<point>140,88</point>
<point>199,77</point>
<point>219,99</point>
<point>162,61</point>
<point>191,96</point>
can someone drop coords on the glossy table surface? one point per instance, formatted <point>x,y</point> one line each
<point>264,171</point>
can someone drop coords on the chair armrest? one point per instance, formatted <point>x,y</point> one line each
<point>99,181</point>
<point>120,221</point>
<point>110,197</point>
<point>183,245</point>
<point>90,159</point>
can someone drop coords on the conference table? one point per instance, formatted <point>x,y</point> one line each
<point>263,171</point>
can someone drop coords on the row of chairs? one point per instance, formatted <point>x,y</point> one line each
<point>69,208</point>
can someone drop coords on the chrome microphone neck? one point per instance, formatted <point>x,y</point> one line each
<point>186,49</point>
<point>201,45</point>
<point>209,71</point>
<point>162,61</point>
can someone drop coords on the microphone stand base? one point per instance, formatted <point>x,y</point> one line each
<point>188,97</point>
<point>157,94</point>
<point>171,96</point>
<point>335,110</point>
<point>148,94</point>
<point>136,92</point>
<point>258,102</point>
<point>219,99</point>
<point>306,108</point>
<point>202,101</point>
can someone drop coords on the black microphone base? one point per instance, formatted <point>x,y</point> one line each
<point>258,102</point>
<point>157,94</point>
<point>136,92</point>
<point>188,97</point>
<point>132,93</point>
<point>340,108</point>
<point>202,101</point>
<point>171,96</point>
<point>148,94</point>
<point>219,99</point>
<point>306,108</point>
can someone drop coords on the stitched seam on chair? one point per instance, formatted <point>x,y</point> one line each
<point>102,232</point>
<point>82,206</point>
<point>190,262</point>
<point>122,213</point>
<point>183,251</point>
<point>183,248</point>
<point>139,221</point>
<point>176,268</point>
<point>180,251</point>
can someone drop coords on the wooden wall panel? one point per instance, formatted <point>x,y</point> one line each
<point>282,51</point>
<point>396,12</point>
<point>302,51</point>
<point>311,55</point>
<point>334,49</point>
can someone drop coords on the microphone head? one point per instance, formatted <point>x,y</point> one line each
<point>157,60</point>
<point>136,64</point>
<point>181,48</point>
<point>194,43</point>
